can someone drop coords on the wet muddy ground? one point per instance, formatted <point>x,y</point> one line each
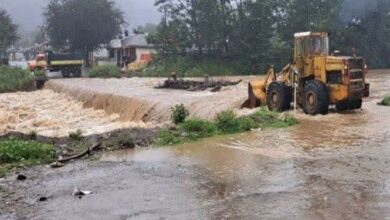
<point>327,167</point>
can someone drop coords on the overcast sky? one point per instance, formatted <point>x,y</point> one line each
<point>27,13</point>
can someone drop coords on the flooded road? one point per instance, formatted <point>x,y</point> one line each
<point>327,167</point>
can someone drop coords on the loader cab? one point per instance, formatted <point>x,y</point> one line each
<point>308,46</point>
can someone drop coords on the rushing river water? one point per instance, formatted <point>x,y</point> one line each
<point>331,167</point>
<point>327,167</point>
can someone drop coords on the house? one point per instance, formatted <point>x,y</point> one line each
<point>134,48</point>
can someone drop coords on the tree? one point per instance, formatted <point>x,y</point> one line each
<point>82,25</point>
<point>8,32</point>
<point>259,28</point>
<point>148,28</point>
<point>259,33</point>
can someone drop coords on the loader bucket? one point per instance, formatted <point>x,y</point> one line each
<point>256,95</point>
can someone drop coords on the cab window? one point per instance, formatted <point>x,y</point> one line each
<point>316,46</point>
<point>299,47</point>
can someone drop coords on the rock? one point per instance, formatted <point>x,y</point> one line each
<point>257,129</point>
<point>56,165</point>
<point>80,193</point>
<point>42,199</point>
<point>21,177</point>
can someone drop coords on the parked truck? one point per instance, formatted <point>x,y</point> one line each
<point>69,64</point>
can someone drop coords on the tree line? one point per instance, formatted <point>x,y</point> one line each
<point>260,32</point>
<point>252,34</point>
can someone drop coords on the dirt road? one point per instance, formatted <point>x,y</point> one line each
<point>327,167</point>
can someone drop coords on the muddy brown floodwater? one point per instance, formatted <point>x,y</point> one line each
<point>54,114</point>
<point>327,167</point>
<point>136,99</point>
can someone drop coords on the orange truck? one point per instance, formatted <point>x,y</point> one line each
<point>69,64</point>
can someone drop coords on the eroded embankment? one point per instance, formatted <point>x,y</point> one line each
<point>136,99</point>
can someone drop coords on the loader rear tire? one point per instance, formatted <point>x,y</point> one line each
<point>279,97</point>
<point>343,106</point>
<point>356,104</point>
<point>349,105</point>
<point>316,98</point>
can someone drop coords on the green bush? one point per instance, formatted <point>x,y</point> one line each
<point>196,128</point>
<point>105,72</point>
<point>229,123</point>
<point>40,74</point>
<point>179,114</point>
<point>247,124</point>
<point>168,137</point>
<point>14,151</point>
<point>385,101</point>
<point>13,79</point>
<point>273,119</point>
<point>226,123</point>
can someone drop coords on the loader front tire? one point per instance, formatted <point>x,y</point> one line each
<point>316,98</point>
<point>279,97</point>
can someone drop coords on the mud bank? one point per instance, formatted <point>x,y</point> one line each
<point>136,99</point>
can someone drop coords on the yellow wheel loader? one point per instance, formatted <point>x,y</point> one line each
<point>314,80</point>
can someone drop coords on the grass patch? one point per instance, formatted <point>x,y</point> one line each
<point>226,123</point>
<point>105,72</point>
<point>15,153</point>
<point>13,79</point>
<point>385,101</point>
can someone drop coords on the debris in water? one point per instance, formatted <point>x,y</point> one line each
<point>80,193</point>
<point>42,199</point>
<point>192,85</point>
<point>21,177</point>
<point>57,165</point>
<point>87,151</point>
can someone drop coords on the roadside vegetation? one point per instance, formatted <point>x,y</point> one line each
<point>385,101</point>
<point>226,123</point>
<point>195,38</point>
<point>105,72</point>
<point>13,79</point>
<point>40,74</point>
<point>193,66</point>
<point>23,153</point>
